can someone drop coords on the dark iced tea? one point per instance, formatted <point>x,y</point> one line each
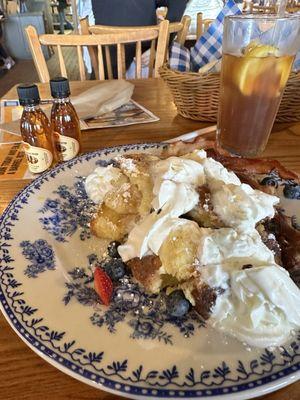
<point>251,89</point>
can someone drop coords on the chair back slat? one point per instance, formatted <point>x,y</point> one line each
<point>206,24</point>
<point>121,60</point>
<point>138,60</point>
<point>100,63</point>
<point>62,65</point>
<point>152,58</point>
<point>202,24</point>
<point>183,32</point>
<point>161,48</point>
<point>84,29</point>
<point>37,54</point>
<point>108,63</point>
<point>81,63</point>
<point>199,26</point>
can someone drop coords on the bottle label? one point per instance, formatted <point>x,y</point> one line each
<point>39,159</point>
<point>66,147</point>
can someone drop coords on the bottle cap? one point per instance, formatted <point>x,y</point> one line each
<point>28,95</point>
<point>60,87</point>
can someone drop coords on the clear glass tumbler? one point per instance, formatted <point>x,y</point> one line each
<point>258,53</point>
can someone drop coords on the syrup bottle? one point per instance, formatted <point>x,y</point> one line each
<point>64,120</point>
<point>37,135</point>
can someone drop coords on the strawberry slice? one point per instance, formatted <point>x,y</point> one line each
<point>103,285</point>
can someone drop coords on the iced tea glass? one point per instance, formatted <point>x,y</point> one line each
<point>258,53</point>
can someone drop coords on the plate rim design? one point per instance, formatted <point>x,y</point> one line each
<point>269,383</point>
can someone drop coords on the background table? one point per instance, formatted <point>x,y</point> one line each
<point>24,375</point>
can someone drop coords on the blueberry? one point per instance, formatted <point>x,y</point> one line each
<point>115,268</point>
<point>291,191</point>
<point>269,181</point>
<point>176,303</point>
<point>112,249</point>
<point>106,163</point>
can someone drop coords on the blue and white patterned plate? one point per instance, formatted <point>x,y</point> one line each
<point>133,348</point>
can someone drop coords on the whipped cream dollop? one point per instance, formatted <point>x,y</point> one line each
<point>175,182</point>
<point>215,171</point>
<point>175,198</point>
<point>100,182</point>
<point>148,236</point>
<point>240,206</point>
<point>259,306</point>
<point>179,170</point>
<point>217,246</point>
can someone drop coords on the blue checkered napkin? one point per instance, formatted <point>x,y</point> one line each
<point>209,46</point>
<point>179,58</point>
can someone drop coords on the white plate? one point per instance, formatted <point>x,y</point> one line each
<point>47,296</point>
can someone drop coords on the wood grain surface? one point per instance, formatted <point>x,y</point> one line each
<point>23,374</point>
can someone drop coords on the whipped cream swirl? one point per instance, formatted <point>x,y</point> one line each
<point>259,306</point>
<point>100,182</point>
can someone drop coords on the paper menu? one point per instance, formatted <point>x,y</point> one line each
<point>130,113</point>
<point>13,163</point>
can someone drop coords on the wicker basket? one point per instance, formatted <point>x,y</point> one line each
<point>197,96</point>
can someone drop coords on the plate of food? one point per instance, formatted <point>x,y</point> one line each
<point>158,270</point>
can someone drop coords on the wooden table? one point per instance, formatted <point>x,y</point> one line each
<point>24,375</point>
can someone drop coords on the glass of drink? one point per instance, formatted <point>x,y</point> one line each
<point>258,53</point>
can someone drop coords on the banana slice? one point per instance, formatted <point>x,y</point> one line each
<point>178,251</point>
<point>124,199</point>
<point>108,224</point>
<point>136,167</point>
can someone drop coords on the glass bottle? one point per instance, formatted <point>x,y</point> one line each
<point>37,135</point>
<point>64,120</point>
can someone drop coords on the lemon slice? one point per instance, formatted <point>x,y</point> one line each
<point>252,65</point>
<point>255,49</point>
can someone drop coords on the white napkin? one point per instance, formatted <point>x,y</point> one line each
<point>102,98</point>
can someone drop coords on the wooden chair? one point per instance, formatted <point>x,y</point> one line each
<point>118,38</point>
<point>179,28</point>
<point>202,24</point>
<point>246,6</point>
<point>293,6</point>
<point>257,9</point>
<point>161,13</point>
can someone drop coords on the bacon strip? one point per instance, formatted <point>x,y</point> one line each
<point>236,164</point>
<point>289,241</point>
<point>253,165</point>
<point>180,148</point>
